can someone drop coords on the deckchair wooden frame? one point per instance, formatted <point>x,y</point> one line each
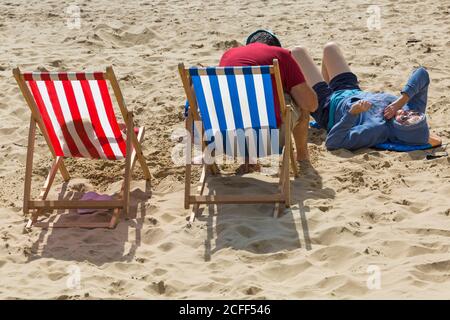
<point>133,154</point>
<point>281,199</point>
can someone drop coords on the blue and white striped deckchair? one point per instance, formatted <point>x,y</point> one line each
<point>237,107</point>
<point>232,102</point>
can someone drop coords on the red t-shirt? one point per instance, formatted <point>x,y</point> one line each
<point>260,54</point>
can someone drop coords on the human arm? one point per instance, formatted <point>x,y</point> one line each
<point>391,109</point>
<point>415,87</point>
<point>304,97</point>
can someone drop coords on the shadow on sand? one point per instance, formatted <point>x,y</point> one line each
<point>252,227</point>
<point>97,246</point>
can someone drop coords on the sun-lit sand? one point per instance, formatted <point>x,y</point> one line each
<point>355,213</point>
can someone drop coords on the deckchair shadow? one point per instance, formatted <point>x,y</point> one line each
<point>247,227</point>
<point>95,246</point>
<point>283,235</point>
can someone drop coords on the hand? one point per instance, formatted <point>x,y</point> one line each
<point>391,110</point>
<point>359,107</point>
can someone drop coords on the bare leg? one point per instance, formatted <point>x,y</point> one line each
<point>307,65</point>
<point>312,76</point>
<point>333,61</point>
<point>300,132</point>
<point>325,73</point>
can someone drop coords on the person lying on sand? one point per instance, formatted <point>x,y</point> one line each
<point>261,48</point>
<point>357,119</point>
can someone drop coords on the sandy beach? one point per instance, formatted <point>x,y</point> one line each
<point>356,212</point>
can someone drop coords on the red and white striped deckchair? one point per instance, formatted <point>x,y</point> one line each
<point>75,114</point>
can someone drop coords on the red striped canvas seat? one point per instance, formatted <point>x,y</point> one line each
<point>78,114</point>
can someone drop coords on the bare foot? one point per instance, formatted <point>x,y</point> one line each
<point>434,140</point>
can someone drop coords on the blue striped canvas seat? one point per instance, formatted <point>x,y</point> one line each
<point>237,108</point>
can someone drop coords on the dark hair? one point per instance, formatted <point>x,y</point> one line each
<point>264,36</point>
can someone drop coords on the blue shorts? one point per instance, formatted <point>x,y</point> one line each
<point>343,81</point>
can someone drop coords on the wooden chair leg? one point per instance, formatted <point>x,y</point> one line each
<point>34,217</point>
<point>188,161</point>
<point>114,219</point>
<point>45,190</point>
<point>279,207</point>
<point>294,161</point>
<point>200,190</point>
<point>29,165</point>
<point>50,178</point>
<point>127,174</point>
<point>64,172</point>
<point>287,159</point>
<point>138,150</point>
<point>287,183</point>
<point>187,185</point>
<point>134,156</point>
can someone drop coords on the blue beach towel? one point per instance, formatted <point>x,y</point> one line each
<point>401,147</point>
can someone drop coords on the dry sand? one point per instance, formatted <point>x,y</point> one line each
<point>386,209</point>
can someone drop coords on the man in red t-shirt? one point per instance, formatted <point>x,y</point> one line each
<point>262,47</point>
